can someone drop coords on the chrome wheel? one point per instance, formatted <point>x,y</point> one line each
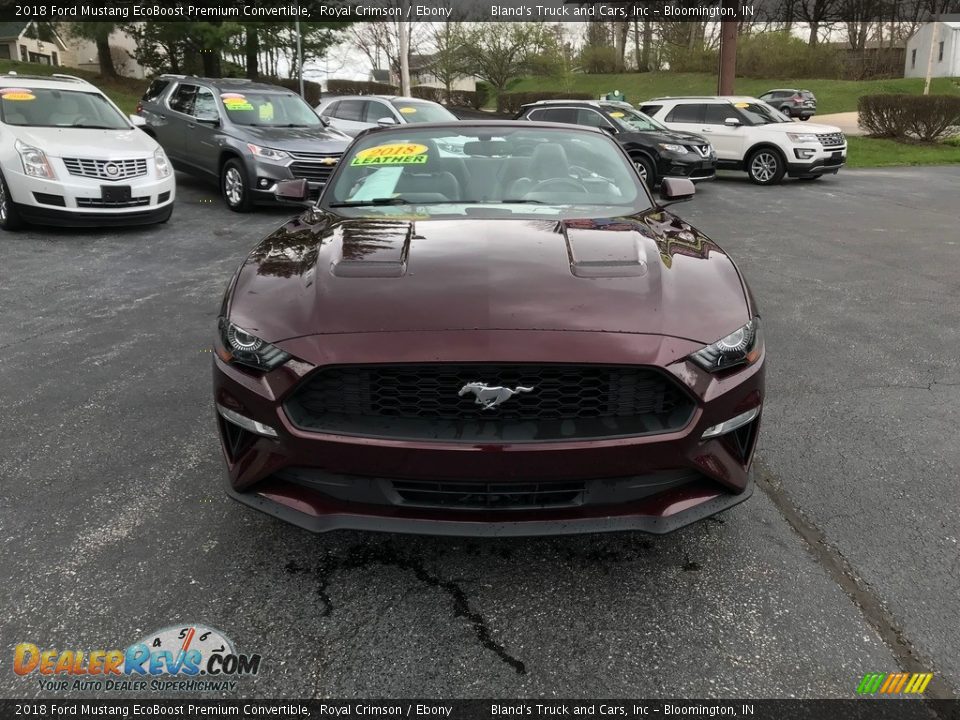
<point>233,186</point>
<point>764,166</point>
<point>641,170</point>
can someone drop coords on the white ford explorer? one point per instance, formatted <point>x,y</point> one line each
<point>69,156</point>
<point>750,135</point>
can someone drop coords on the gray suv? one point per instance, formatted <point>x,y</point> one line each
<point>245,135</point>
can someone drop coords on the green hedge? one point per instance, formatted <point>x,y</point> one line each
<point>457,98</point>
<point>359,87</point>
<point>311,90</point>
<point>924,117</point>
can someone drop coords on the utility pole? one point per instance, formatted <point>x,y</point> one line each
<point>726,76</point>
<point>404,57</point>
<point>299,56</point>
<point>934,34</point>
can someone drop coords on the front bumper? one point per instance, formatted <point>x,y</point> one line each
<point>695,168</point>
<point>77,201</point>
<point>321,482</point>
<point>266,174</point>
<point>821,161</point>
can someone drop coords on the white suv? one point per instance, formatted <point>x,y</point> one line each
<point>69,156</point>
<point>750,135</point>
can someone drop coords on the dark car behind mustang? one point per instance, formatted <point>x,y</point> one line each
<point>488,329</point>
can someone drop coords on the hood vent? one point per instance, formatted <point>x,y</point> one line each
<point>373,249</point>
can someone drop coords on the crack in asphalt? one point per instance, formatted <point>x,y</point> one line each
<point>843,573</point>
<point>360,557</point>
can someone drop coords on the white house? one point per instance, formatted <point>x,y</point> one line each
<point>944,36</point>
<point>28,42</point>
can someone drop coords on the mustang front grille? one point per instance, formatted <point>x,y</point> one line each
<point>486,495</point>
<point>106,169</point>
<point>423,401</point>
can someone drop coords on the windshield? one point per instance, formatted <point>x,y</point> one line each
<point>759,113</point>
<point>631,120</point>
<point>502,171</point>
<point>414,112</point>
<point>45,107</point>
<point>266,109</point>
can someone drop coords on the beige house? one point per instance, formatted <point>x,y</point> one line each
<point>29,42</point>
<point>82,54</point>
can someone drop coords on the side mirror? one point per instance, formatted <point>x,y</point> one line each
<point>292,191</point>
<point>137,121</point>
<point>212,122</point>
<point>732,122</point>
<point>386,122</point>
<point>609,129</point>
<point>674,190</point>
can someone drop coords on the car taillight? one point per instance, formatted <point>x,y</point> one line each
<point>798,98</point>
<point>139,108</point>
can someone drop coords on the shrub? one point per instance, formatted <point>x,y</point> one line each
<point>925,117</point>
<point>780,55</point>
<point>311,90</point>
<point>481,96</point>
<point>425,92</point>
<point>599,59</point>
<point>358,87</point>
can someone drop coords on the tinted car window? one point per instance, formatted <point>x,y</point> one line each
<point>686,113</point>
<point>650,109</point>
<point>351,110</point>
<point>591,118</point>
<point>205,105</point>
<point>631,120</point>
<point>182,99</point>
<point>155,89</point>
<point>561,115</point>
<point>414,112</point>
<point>331,110</point>
<point>374,111</point>
<point>718,114</point>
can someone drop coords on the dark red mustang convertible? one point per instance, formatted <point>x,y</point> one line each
<point>488,329</point>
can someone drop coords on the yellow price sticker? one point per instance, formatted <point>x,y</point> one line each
<point>392,154</point>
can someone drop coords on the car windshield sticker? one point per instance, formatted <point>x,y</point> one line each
<point>17,94</point>
<point>382,182</point>
<point>266,111</point>
<point>617,114</point>
<point>407,110</point>
<point>235,101</point>
<point>741,105</point>
<point>392,154</point>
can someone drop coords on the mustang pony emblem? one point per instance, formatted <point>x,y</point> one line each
<point>491,396</point>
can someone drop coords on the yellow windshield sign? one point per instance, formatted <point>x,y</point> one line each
<point>392,154</point>
<point>17,94</point>
<point>407,110</point>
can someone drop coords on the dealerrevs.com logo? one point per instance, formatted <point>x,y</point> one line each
<point>190,658</point>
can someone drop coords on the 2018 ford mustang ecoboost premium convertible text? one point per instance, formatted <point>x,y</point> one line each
<point>488,329</point>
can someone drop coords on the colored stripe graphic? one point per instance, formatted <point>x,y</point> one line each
<point>894,683</point>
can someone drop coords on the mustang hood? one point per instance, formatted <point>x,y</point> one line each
<point>649,273</point>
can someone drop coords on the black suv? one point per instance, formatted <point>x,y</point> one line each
<point>656,151</point>
<point>242,134</point>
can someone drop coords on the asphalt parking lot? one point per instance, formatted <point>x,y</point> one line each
<point>845,561</point>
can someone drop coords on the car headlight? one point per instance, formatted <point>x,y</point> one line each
<point>802,137</point>
<point>244,348</point>
<point>741,347</point>
<point>35,163</point>
<point>267,153</point>
<point>161,163</point>
<point>678,149</point>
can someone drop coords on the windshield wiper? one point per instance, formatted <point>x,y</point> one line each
<point>379,201</point>
<point>91,127</point>
<point>519,201</point>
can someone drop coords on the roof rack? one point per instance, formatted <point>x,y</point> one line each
<point>64,76</point>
